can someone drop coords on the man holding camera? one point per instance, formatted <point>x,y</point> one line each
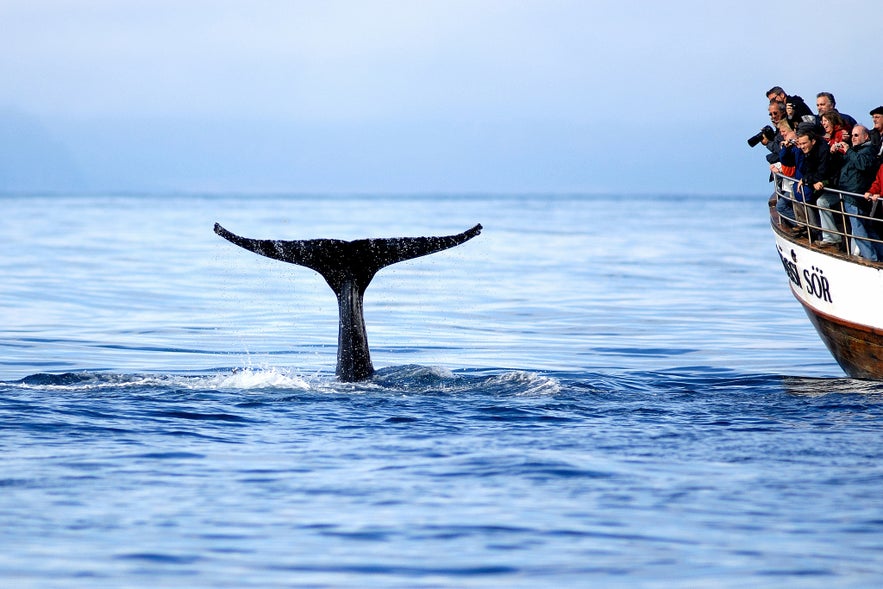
<point>773,140</point>
<point>857,167</point>
<point>771,136</point>
<point>799,110</point>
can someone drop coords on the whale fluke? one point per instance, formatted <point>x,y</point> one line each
<point>348,267</point>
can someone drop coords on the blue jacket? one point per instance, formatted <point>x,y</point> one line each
<point>793,157</point>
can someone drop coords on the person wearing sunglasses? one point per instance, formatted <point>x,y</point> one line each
<point>857,163</point>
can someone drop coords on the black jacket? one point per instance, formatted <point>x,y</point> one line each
<point>816,165</point>
<point>802,112</point>
<point>877,143</point>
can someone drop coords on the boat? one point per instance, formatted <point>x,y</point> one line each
<point>838,289</point>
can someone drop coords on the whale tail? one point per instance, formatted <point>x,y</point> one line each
<point>348,267</point>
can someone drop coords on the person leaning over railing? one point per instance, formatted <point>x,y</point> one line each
<point>877,132</point>
<point>787,167</point>
<point>772,140</point>
<point>857,164</point>
<point>815,175</point>
<point>873,194</point>
<point>876,188</point>
<point>797,110</point>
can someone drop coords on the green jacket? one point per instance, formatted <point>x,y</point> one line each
<point>858,167</point>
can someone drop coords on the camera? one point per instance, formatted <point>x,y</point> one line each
<point>767,132</point>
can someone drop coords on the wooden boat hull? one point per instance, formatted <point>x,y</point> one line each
<point>857,348</point>
<point>841,296</point>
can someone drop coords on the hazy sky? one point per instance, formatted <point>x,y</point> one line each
<point>414,96</point>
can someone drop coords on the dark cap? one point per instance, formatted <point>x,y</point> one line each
<point>877,111</point>
<point>805,126</point>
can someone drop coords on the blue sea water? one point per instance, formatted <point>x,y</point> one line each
<point>604,391</point>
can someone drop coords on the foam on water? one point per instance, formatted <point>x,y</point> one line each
<point>245,379</point>
<point>526,383</point>
<point>251,379</point>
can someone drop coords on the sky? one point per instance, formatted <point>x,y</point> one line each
<point>419,96</point>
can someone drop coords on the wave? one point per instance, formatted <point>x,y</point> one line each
<point>434,380</point>
<point>408,379</point>
<point>429,379</point>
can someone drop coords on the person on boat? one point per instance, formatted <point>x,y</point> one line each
<point>877,131</point>
<point>797,110</point>
<point>873,195</point>
<point>837,137</point>
<point>815,177</point>
<point>857,168</point>
<point>791,159</point>
<point>777,112</point>
<point>825,103</point>
<point>835,128</point>
<point>773,139</point>
<point>787,167</point>
<point>876,188</point>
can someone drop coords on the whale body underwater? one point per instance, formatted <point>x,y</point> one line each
<point>348,267</point>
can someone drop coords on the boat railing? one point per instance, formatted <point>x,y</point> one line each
<point>785,188</point>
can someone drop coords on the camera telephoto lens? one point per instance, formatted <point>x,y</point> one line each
<point>767,132</point>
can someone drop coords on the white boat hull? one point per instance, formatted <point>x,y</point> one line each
<point>841,296</point>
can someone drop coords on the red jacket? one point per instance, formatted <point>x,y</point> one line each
<point>877,186</point>
<point>839,134</point>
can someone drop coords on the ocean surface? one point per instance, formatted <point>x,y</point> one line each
<point>597,391</point>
